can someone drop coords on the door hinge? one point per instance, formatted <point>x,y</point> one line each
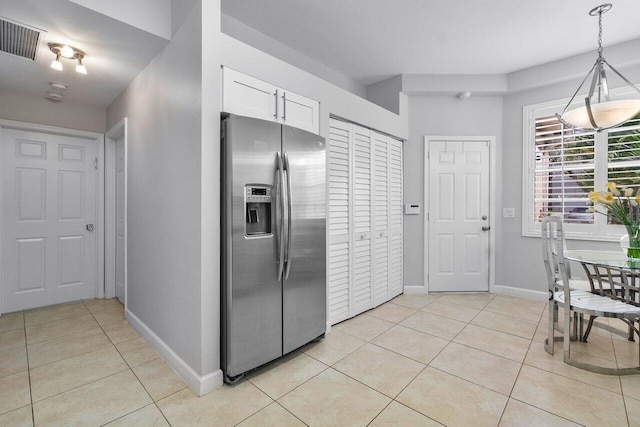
<point>95,163</point>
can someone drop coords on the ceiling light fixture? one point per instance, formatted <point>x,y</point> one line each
<point>69,52</point>
<point>600,111</point>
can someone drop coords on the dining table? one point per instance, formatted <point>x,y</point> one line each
<point>610,272</point>
<point>610,259</point>
<point>598,266</point>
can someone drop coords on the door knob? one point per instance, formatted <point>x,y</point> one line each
<point>486,228</point>
<point>89,227</point>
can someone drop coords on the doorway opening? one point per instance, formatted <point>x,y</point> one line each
<point>116,212</point>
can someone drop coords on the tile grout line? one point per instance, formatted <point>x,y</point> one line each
<point>26,351</point>
<point>153,401</point>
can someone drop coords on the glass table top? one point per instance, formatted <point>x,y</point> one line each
<point>615,259</point>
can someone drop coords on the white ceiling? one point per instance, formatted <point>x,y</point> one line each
<point>366,40</point>
<point>369,40</point>
<point>116,52</point>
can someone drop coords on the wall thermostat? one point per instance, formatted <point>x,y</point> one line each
<point>412,209</point>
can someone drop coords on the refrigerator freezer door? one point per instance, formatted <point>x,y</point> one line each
<point>304,291</point>
<point>252,293</point>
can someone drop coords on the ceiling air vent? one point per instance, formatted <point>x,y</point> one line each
<point>19,40</point>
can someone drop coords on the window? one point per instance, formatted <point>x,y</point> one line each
<point>562,165</point>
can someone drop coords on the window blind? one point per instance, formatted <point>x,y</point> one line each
<point>563,171</point>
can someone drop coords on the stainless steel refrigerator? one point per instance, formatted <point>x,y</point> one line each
<point>273,238</point>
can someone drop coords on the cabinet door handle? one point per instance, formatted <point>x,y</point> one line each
<point>284,106</point>
<point>275,95</point>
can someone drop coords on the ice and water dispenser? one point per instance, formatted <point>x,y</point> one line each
<point>257,204</point>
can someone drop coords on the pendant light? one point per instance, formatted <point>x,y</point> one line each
<point>600,111</point>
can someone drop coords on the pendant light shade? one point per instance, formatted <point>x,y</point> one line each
<point>605,114</point>
<point>599,111</point>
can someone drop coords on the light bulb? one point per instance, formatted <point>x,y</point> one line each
<point>66,51</point>
<point>56,64</point>
<point>80,68</point>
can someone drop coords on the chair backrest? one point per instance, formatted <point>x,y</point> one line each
<point>553,247</point>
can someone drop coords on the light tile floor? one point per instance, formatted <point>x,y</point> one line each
<point>454,360</point>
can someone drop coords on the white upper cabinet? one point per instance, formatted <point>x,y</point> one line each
<point>247,96</point>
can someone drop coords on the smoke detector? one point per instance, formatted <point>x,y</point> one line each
<point>58,86</point>
<point>54,97</point>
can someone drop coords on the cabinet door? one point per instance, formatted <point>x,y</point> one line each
<point>299,112</point>
<point>395,219</point>
<point>380,239</point>
<point>247,96</point>
<point>362,295</point>
<point>339,224</point>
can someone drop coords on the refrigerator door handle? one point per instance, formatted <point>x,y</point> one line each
<point>280,233</point>
<point>287,170</point>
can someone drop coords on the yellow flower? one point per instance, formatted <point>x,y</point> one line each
<point>638,197</point>
<point>608,198</point>
<point>612,187</point>
<point>628,192</point>
<point>595,196</point>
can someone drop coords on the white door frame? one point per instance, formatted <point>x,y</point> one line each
<point>99,138</point>
<point>492,204</point>
<point>118,130</point>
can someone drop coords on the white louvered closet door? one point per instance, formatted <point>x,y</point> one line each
<point>339,222</point>
<point>361,238</point>
<point>395,218</point>
<point>380,155</point>
<point>365,220</point>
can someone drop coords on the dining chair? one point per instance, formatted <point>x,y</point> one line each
<point>618,304</point>
<point>595,282</point>
<point>552,239</point>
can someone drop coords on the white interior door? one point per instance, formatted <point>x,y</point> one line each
<point>458,216</point>
<point>48,194</point>
<point>121,255</point>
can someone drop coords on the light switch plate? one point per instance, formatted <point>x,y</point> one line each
<point>509,212</point>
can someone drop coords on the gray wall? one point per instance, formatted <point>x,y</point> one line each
<point>163,106</point>
<point>518,259</point>
<point>37,109</point>
<point>440,115</point>
<point>252,37</point>
<point>385,93</point>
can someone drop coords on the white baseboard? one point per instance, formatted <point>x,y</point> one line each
<point>328,328</point>
<point>522,293</point>
<point>415,290</point>
<point>200,385</point>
